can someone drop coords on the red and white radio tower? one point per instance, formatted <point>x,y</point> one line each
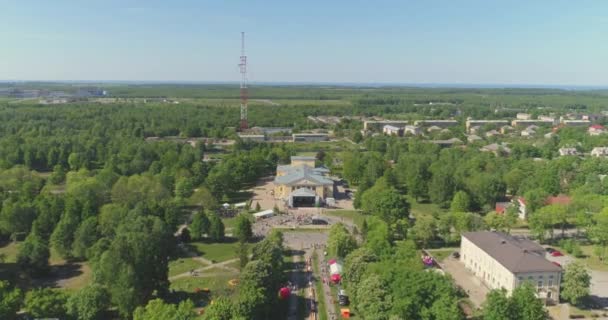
<point>243,67</point>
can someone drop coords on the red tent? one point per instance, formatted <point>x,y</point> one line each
<point>335,278</point>
<point>284,293</point>
<point>331,261</point>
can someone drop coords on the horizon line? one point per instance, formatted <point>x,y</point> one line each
<point>457,85</point>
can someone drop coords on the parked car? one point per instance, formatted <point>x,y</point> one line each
<point>556,253</point>
<point>456,255</point>
<point>549,249</point>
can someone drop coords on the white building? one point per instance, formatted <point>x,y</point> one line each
<point>498,123</point>
<point>576,123</point>
<point>523,116</point>
<point>599,152</point>
<point>392,130</point>
<point>502,261</point>
<point>413,130</point>
<point>437,123</point>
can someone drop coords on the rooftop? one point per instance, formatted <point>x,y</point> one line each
<point>517,255</point>
<point>295,174</point>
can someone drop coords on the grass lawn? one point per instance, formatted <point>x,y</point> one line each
<point>441,254</point>
<point>592,260</point>
<point>321,309</point>
<point>10,250</point>
<point>182,265</point>
<point>218,284</point>
<point>217,252</point>
<point>356,216</point>
<point>423,208</point>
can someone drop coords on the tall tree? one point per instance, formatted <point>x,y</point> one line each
<point>33,256</point>
<point>89,303</point>
<point>498,306</point>
<point>340,242</point>
<point>200,225</point>
<point>461,202</point>
<point>576,283</point>
<point>242,228</point>
<point>527,305</point>
<point>599,233</point>
<point>157,309</point>
<point>10,300</point>
<point>45,303</point>
<point>216,228</point>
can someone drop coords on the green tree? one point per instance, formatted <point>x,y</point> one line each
<point>89,303</point>
<point>16,217</point>
<point>216,228</point>
<point>45,303</point>
<point>373,298</point>
<point>526,304</point>
<point>413,172</point>
<point>498,306</point>
<point>85,237</point>
<point>33,256</point>
<point>243,253</point>
<point>242,228</point>
<point>10,300</point>
<point>340,242</point>
<point>535,199</point>
<point>221,309</point>
<point>200,225</point>
<point>444,308</point>
<point>157,309</point>
<point>461,202</point>
<point>541,222</point>
<point>356,264</point>
<point>576,283</point>
<point>385,202</point>
<point>184,188</point>
<point>441,188</point>
<point>424,229</point>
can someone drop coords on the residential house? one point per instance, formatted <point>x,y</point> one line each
<point>492,133</point>
<point>412,130</point>
<point>596,130</point>
<point>497,149</point>
<point>523,116</point>
<point>473,138</point>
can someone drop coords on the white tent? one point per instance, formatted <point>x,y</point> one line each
<point>335,268</point>
<point>264,214</point>
<point>240,205</point>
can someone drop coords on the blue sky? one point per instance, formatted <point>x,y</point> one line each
<point>433,41</point>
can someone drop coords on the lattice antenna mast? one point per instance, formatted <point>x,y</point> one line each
<point>244,93</point>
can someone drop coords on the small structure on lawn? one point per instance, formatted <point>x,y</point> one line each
<point>263,214</point>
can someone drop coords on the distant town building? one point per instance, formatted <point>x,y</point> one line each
<point>547,118</point>
<point>433,129</point>
<point>252,137</point>
<point>437,123</point>
<point>599,152</point>
<point>576,123</point>
<point>309,137</point>
<point>501,207</point>
<point>473,138</point>
<point>503,261</point>
<point>447,143</point>
<point>506,129</point>
<point>392,130</point>
<point>377,125</point>
<point>523,116</point>
<point>549,135</point>
<point>492,133</point>
<point>596,130</point>
<point>496,149</point>
<point>412,130</point>
<point>471,123</point>
<point>538,122</point>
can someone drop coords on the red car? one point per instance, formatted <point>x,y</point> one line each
<point>556,253</point>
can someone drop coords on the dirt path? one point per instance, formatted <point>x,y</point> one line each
<point>221,265</point>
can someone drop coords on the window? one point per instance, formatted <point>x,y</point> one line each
<point>550,284</point>
<point>540,284</point>
<point>529,277</point>
<point>520,278</point>
<point>551,277</point>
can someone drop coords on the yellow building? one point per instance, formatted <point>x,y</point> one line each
<point>302,183</point>
<point>502,261</point>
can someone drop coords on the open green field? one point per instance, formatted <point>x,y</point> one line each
<point>218,284</point>
<point>441,254</point>
<point>9,251</point>
<point>354,215</point>
<point>423,208</point>
<point>182,265</point>
<point>216,252</point>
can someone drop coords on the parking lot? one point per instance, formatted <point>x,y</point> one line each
<point>466,280</point>
<point>599,279</point>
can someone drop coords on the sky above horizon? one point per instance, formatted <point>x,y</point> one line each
<point>544,42</point>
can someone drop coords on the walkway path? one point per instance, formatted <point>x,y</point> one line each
<point>295,278</point>
<point>221,265</point>
<point>324,276</point>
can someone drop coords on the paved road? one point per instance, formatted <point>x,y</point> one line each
<point>324,277</point>
<point>295,277</point>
